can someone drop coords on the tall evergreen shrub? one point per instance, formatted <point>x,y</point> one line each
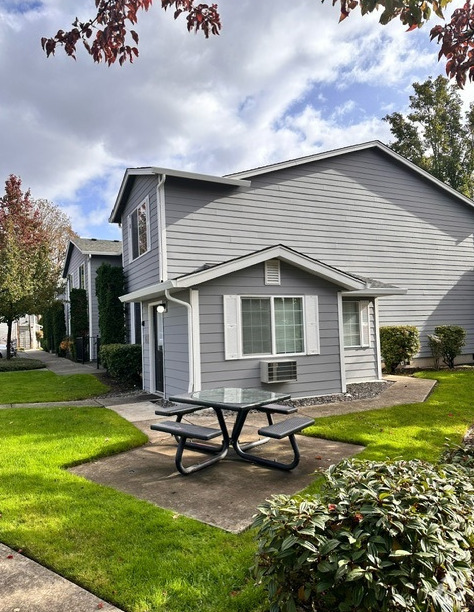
<point>54,326</point>
<point>110,283</point>
<point>79,313</point>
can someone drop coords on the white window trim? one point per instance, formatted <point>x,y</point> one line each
<point>365,340</point>
<point>233,327</point>
<point>145,201</point>
<point>133,324</point>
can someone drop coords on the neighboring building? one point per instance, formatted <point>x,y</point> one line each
<point>25,332</point>
<point>270,272</point>
<point>83,258</point>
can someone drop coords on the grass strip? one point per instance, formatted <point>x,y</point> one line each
<point>45,386</point>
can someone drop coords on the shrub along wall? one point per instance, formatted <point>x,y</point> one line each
<point>122,361</point>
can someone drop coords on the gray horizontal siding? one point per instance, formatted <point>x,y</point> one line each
<point>317,374</point>
<point>360,212</point>
<point>144,270</point>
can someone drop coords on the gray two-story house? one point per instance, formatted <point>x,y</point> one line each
<point>280,276</point>
<point>83,257</point>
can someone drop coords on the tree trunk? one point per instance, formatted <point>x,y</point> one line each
<point>9,338</point>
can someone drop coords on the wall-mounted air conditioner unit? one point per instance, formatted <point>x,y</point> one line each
<point>278,371</point>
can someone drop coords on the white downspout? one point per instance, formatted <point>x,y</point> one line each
<point>190,337</point>
<point>89,291</point>
<point>161,213</point>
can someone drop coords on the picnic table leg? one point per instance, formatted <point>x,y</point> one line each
<point>241,451</point>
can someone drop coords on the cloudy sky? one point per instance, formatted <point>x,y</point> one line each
<point>283,80</point>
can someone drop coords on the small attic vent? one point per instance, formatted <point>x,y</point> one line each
<point>272,272</point>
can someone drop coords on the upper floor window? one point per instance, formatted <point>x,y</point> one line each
<point>82,276</point>
<point>355,318</point>
<point>138,224</point>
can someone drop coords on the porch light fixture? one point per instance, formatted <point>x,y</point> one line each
<point>162,307</point>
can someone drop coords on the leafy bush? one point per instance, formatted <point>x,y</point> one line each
<point>450,340</point>
<point>398,344</point>
<point>459,454</point>
<point>122,361</point>
<point>17,364</point>
<point>380,537</point>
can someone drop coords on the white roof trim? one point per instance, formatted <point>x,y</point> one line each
<point>317,268</point>
<point>375,292</point>
<point>154,170</point>
<point>374,144</point>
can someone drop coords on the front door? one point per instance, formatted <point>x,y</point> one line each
<point>158,347</point>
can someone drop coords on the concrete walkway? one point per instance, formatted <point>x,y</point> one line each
<point>225,495</point>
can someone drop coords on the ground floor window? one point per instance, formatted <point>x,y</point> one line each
<point>275,325</point>
<point>355,318</point>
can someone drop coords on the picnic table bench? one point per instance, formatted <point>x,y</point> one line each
<point>197,437</point>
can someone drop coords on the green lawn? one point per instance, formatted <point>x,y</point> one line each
<point>45,386</point>
<point>143,558</point>
<point>416,431</point>
<point>125,550</point>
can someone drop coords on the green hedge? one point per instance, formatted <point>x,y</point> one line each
<point>398,344</point>
<point>122,361</point>
<point>17,364</point>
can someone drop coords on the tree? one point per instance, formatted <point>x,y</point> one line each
<point>437,135</point>
<point>27,280</point>
<point>57,225</point>
<point>114,18</point>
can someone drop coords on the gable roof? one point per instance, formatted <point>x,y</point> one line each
<point>374,144</point>
<point>163,173</point>
<point>243,179</point>
<point>353,285</point>
<point>92,246</point>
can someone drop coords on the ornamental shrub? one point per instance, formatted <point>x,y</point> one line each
<point>380,537</point>
<point>452,338</point>
<point>398,344</point>
<point>122,361</point>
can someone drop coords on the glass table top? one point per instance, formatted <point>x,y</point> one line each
<point>234,396</point>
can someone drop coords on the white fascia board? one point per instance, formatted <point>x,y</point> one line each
<point>148,293</point>
<point>316,268</point>
<point>375,292</point>
<point>195,176</point>
<point>300,261</point>
<point>207,178</point>
<point>374,144</point>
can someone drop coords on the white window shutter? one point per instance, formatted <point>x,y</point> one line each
<point>311,310</point>
<point>231,326</point>
<point>364,323</point>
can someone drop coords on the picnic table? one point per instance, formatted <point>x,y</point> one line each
<point>190,436</point>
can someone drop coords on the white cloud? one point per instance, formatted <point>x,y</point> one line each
<point>282,80</point>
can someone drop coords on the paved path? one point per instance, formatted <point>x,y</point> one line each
<point>26,586</point>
